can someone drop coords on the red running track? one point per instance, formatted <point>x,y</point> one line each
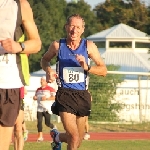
<point>103,136</point>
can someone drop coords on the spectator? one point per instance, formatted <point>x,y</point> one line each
<point>19,131</point>
<point>44,94</point>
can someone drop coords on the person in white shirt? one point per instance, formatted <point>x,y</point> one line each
<point>45,96</point>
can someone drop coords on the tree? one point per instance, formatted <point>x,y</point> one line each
<point>139,18</point>
<point>130,12</point>
<point>50,19</point>
<point>148,24</point>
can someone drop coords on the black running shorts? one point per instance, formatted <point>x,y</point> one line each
<point>77,102</point>
<point>9,106</point>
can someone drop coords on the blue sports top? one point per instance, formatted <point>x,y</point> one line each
<point>70,73</point>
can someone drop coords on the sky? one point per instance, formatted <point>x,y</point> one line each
<point>93,3</point>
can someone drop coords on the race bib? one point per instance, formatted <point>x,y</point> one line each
<point>73,74</point>
<point>8,60</point>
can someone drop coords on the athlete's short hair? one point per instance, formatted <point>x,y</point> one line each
<point>75,16</point>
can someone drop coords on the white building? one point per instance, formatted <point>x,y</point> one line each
<point>127,47</point>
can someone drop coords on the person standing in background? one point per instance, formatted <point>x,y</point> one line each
<point>24,128</point>
<point>20,131</point>
<point>44,95</point>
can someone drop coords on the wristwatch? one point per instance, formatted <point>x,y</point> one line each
<point>89,67</point>
<point>22,46</point>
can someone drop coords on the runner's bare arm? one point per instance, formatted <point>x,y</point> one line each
<point>52,52</point>
<point>94,54</point>
<point>51,98</point>
<point>33,43</point>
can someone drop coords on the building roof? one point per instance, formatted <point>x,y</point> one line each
<point>128,61</point>
<point>119,31</point>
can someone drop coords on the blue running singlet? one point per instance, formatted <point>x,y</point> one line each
<point>70,73</point>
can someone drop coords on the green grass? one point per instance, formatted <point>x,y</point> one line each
<point>95,127</point>
<point>95,145</point>
<point>133,127</point>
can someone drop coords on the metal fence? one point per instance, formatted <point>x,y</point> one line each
<point>122,97</point>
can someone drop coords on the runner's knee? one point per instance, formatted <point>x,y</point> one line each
<point>18,127</point>
<point>18,133</point>
<point>75,140</point>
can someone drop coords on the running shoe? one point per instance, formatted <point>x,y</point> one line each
<point>86,136</point>
<point>40,139</point>
<point>55,145</point>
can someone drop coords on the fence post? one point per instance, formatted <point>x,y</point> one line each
<point>140,106</point>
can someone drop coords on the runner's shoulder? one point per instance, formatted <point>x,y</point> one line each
<point>90,43</point>
<point>91,46</point>
<point>55,45</point>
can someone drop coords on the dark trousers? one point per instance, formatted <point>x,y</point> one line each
<point>47,118</point>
